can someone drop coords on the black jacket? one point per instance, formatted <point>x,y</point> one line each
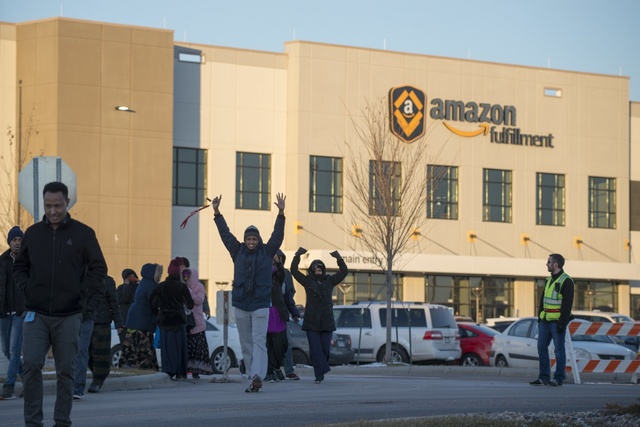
<point>108,309</point>
<point>168,300</point>
<point>57,269</point>
<point>318,312</point>
<point>11,299</point>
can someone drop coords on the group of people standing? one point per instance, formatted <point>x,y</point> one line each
<point>55,295</point>
<point>259,282</point>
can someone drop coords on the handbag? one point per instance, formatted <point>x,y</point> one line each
<point>191,320</point>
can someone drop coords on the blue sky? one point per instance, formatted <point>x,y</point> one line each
<point>595,36</point>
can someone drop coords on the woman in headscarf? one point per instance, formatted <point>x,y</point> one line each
<point>199,361</point>
<point>169,300</point>
<point>137,347</point>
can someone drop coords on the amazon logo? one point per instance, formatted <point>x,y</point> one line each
<point>472,112</point>
<point>406,112</point>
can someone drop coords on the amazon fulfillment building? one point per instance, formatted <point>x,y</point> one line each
<point>533,161</point>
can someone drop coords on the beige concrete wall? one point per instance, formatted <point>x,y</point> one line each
<point>589,123</point>
<point>74,74</point>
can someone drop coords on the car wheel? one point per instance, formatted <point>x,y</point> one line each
<point>299,357</point>
<point>501,362</point>
<point>398,355</point>
<point>116,352</point>
<point>471,359</point>
<point>218,361</point>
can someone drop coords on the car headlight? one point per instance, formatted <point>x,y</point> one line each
<point>582,354</point>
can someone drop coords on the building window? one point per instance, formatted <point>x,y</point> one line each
<point>549,199</point>
<point>496,195</point>
<point>366,287</point>
<point>189,176</point>
<point>442,192</point>
<point>253,181</point>
<point>385,180</point>
<point>325,184</point>
<point>602,202</point>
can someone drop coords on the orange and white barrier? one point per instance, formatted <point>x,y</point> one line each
<point>601,328</point>
<point>601,366</point>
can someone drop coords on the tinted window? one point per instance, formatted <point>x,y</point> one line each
<point>521,329</point>
<point>352,318</point>
<point>404,317</point>
<point>466,333</point>
<point>441,317</point>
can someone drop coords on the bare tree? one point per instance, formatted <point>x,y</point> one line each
<point>13,158</point>
<point>386,192</point>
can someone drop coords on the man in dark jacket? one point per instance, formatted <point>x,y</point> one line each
<point>126,292</point>
<point>554,315</point>
<point>60,262</point>
<point>251,292</point>
<point>319,323</point>
<point>100,349</point>
<point>11,308</point>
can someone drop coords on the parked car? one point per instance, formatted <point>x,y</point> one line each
<point>420,332</point>
<point>517,346</point>
<point>339,354</point>
<point>630,342</point>
<point>215,340</point>
<point>475,343</point>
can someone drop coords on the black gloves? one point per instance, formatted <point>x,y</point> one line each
<point>336,255</point>
<point>301,251</point>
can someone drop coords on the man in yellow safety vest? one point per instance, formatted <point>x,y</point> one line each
<point>554,315</point>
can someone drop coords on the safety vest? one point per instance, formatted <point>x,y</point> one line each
<point>552,301</point>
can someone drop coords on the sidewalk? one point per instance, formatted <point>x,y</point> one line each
<point>116,382</point>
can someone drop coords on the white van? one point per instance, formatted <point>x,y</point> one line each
<point>419,331</point>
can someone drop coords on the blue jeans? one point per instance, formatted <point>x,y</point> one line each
<point>15,350</point>
<point>548,331</point>
<point>82,358</point>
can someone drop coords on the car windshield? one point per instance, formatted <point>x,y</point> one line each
<point>621,318</point>
<point>592,338</point>
<point>486,330</point>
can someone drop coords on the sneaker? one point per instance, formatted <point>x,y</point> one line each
<point>319,379</point>
<point>270,378</point>
<point>7,393</point>
<point>538,382</point>
<point>256,382</point>
<point>553,383</point>
<point>292,376</point>
<point>94,388</point>
<point>77,396</point>
<point>252,389</point>
<point>279,375</point>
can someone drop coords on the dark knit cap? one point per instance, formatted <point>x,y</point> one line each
<point>251,230</point>
<point>174,266</point>
<point>13,233</point>
<point>128,272</point>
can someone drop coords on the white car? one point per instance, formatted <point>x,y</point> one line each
<point>517,346</point>
<point>215,340</point>
<point>419,331</point>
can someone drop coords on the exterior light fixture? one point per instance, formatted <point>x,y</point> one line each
<point>125,109</point>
